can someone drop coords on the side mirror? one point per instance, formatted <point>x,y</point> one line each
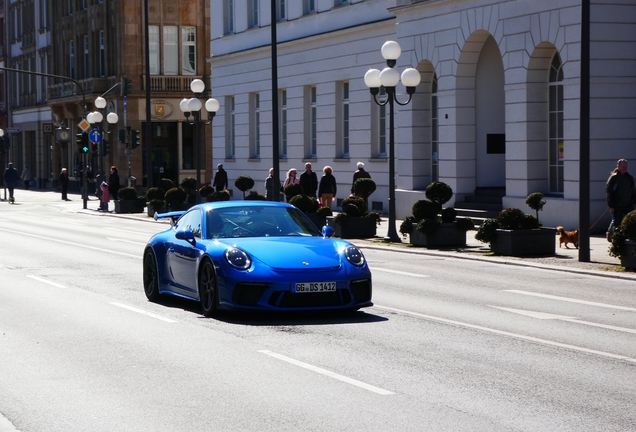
<point>328,231</point>
<point>185,234</point>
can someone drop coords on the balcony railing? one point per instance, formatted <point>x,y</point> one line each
<point>170,83</point>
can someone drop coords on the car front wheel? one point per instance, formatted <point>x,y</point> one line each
<point>151,277</point>
<point>207,289</point>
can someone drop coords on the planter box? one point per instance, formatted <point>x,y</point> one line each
<point>356,227</point>
<point>446,235</point>
<point>318,219</point>
<point>152,210</point>
<point>628,260</point>
<point>540,241</point>
<point>129,206</point>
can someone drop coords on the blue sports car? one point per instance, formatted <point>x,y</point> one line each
<point>254,255</point>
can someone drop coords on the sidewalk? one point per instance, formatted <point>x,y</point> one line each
<point>601,264</point>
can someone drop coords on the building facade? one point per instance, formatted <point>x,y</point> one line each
<point>498,106</point>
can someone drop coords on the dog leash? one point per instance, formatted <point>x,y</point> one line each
<point>606,210</point>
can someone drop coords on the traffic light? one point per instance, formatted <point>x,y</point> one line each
<point>122,135</point>
<point>82,142</point>
<point>124,87</point>
<point>105,147</point>
<point>134,138</point>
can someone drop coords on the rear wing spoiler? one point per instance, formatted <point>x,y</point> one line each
<point>174,216</point>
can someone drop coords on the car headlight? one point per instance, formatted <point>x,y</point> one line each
<point>354,256</point>
<point>238,259</point>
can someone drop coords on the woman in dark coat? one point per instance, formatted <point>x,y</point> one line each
<point>327,188</point>
<point>64,183</point>
<point>113,182</point>
<point>220,179</point>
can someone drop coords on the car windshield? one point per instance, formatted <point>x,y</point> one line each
<point>255,221</point>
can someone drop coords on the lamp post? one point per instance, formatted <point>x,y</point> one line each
<point>96,118</point>
<point>193,107</point>
<point>389,78</point>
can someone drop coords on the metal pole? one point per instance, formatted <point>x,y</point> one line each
<point>148,140</point>
<point>197,149</point>
<point>275,136</point>
<point>392,234</point>
<point>584,137</point>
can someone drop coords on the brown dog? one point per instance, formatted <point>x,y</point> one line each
<point>568,237</point>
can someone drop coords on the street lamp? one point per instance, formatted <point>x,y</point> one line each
<point>193,107</point>
<point>96,118</point>
<point>389,78</point>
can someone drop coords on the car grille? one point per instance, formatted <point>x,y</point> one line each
<point>361,290</point>
<point>248,294</point>
<point>291,300</point>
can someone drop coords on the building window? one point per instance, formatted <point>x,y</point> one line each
<point>71,59</point>
<point>252,13</point>
<point>187,146</point>
<point>44,16</point>
<point>282,97</point>
<point>555,126</point>
<point>170,50</point>
<point>342,117</point>
<point>281,10</point>
<point>153,49</point>
<point>309,6</point>
<point>230,128</point>
<point>434,132</point>
<point>340,2</point>
<point>228,17</point>
<point>312,123</point>
<point>86,59</point>
<point>102,55</point>
<point>255,125</point>
<point>189,52</point>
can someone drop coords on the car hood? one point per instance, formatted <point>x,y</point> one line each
<point>291,253</point>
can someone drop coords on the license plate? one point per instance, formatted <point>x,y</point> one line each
<point>313,287</point>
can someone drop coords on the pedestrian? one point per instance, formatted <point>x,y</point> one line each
<point>291,179</point>
<point>327,188</point>
<point>621,195</point>
<point>26,177</point>
<point>89,177</point>
<point>309,181</point>
<point>220,179</point>
<point>269,185</point>
<point>11,180</point>
<point>64,184</point>
<point>361,173</point>
<point>105,198</point>
<point>113,182</point>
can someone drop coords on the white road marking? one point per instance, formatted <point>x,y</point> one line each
<point>119,240</point>
<point>46,281</point>
<point>100,249</point>
<point>505,333</point>
<point>327,373</point>
<point>143,312</point>
<point>399,272</point>
<point>571,300</point>
<point>547,316</point>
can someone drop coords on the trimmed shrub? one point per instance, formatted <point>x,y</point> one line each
<point>305,203</point>
<point>219,196</point>
<point>359,203</point>
<point>292,190</point>
<point>155,193</point>
<point>364,187</point>
<point>256,197</point>
<point>487,232</point>
<point>449,214</point>
<point>205,191</point>
<point>439,192</point>
<point>166,184</point>
<point>127,193</point>
<point>189,183</point>
<point>428,226</point>
<point>511,219</point>
<point>244,183</point>
<point>536,202</point>
<point>406,227</point>
<point>425,209</point>
<point>465,224</point>
<point>175,198</point>
<point>324,211</point>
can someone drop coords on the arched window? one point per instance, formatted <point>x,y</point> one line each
<point>555,125</point>
<point>434,132</point>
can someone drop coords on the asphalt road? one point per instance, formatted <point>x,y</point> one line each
<point>449,345</point>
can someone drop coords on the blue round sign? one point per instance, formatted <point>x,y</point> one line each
<point>95,136</point>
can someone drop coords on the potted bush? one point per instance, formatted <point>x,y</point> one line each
<point>156,202</point>
<point>175,199</point>
<point>354,221</point>
<point>364,187</point>
<point>244,183</point>
<point>219,196</point>
<point>432,226</point>
<point>515,233</point>
<point>292,190</point>
<point>256,197</point>
<point>128,201</point>
<point>189,185</point>
<point>311,207</point>
<point>536,202</point>
<point>624,241</point>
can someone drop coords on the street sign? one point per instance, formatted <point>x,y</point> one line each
<point>95,136</point>
<point>12,130</point>
<point>84,125</point>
